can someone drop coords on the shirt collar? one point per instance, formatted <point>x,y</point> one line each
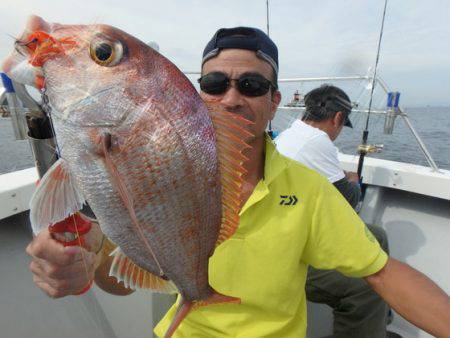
<point>274,163</point>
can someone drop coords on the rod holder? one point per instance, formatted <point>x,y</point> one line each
<point>391,112</point>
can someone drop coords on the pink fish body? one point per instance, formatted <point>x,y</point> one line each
<point>138,144</point>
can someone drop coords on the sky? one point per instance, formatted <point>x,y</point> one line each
<point>315,38</point>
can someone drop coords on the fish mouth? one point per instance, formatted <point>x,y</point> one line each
<point>41,47</point>
<point>33,51</point>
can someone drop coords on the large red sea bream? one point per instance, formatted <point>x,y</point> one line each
<point>160,170</point>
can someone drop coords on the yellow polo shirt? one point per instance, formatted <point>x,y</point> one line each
<point>294,218</point>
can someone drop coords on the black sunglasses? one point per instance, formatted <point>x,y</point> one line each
<point>248,84</point>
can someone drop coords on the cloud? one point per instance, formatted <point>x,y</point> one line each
<point>315,38</point>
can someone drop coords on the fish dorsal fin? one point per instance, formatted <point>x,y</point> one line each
<point>136,278</point>
<point>56,197</point>
<point>231,133</point>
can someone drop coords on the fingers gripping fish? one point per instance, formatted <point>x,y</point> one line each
<point>161,171</point>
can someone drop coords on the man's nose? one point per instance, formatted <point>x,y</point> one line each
<point>232,98</point>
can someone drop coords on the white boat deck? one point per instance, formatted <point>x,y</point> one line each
<point>16,189</point>
<point>26,312</point>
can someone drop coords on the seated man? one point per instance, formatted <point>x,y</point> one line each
<point>358,310</point>
<point>310,140</point>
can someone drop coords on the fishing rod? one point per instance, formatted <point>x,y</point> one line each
<point>364,148</point>
<point>270,131</point>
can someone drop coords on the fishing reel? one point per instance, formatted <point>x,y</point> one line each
<point>370,148</point>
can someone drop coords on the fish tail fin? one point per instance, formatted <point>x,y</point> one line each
<point>216,298</point>
<point>183,310</point>
<point>187,306</point>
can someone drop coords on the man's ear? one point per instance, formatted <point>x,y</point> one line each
<point>338,119</point>
<point>275,101</point>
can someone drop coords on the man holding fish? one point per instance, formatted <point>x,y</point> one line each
<point>289,216</point>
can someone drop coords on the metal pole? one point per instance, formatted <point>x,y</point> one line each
<point>422,146</point>
<point>328,78</point>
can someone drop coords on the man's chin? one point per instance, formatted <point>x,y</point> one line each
<point>255,137</point>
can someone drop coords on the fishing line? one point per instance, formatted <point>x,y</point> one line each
<point>47,109</point>
<point>80,244</point>
<point>127,198</point>
<point>91,303</point>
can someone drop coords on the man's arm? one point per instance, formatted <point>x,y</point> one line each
<point>350,190</point>
<point>414,296</point>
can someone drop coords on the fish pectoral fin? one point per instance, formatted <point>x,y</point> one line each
<point>135,277</point>
<point>56,197</point>
<point>231,133</point>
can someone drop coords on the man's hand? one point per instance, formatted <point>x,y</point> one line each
<point>60,271</point>
<point>352,176</point>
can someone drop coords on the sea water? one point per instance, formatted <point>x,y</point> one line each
<point>431,123</point>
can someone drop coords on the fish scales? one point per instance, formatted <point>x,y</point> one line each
<point>171,208</point>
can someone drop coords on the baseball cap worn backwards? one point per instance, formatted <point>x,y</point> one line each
<point>243,38</point>
<point>323,103</point>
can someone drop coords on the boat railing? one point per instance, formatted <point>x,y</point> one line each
<point>388,114</point>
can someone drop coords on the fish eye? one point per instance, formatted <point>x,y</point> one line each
<point>106,53</point>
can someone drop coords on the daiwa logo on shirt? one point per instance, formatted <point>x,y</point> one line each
<point>288,200</point>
